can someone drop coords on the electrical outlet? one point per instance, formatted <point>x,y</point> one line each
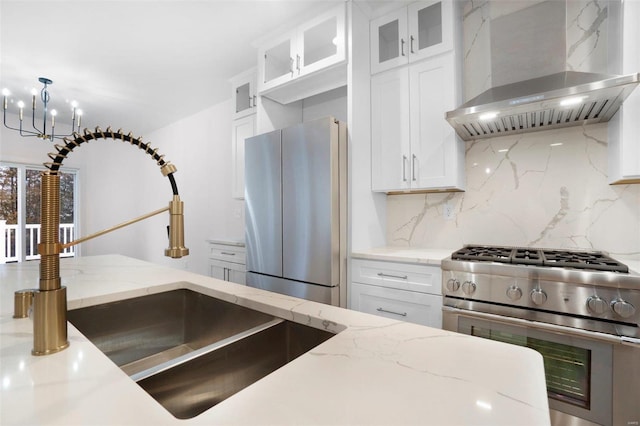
<point>448,212</point>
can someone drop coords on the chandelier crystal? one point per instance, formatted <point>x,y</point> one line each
<point>42,132</point>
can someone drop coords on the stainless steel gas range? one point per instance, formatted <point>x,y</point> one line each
<point>579,309</point>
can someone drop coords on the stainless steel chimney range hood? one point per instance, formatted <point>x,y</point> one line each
<point>563,99</point>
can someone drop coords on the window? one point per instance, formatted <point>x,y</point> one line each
<point>20,211</point>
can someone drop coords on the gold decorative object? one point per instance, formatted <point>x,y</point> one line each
<point>50,299</point>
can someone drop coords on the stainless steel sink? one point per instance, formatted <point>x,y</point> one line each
<point>190,351</point>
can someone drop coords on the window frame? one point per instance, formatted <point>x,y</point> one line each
<point>21,233</point>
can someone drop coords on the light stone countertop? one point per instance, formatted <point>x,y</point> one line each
<point>227,242</point>
<point>404,254</point>
<point>375,371</point>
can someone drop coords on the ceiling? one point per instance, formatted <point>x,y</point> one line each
<point>137,65</point>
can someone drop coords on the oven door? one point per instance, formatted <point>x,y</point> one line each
<point>578,370</point>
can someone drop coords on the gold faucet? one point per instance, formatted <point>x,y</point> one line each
<point>50,300</point>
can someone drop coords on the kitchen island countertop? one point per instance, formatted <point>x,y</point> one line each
<point>374,371</point>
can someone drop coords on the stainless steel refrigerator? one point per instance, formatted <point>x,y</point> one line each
<point>296,210</point>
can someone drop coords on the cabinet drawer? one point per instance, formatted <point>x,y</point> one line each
<point>402,276</point>
<point>410,306</point>
<point>227,253</point>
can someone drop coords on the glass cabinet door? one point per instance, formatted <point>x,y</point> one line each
<point>321,41</point>
<point>278,61</point>
<point>430,28</point>
<point>244,100</point>
<point>389,41</point>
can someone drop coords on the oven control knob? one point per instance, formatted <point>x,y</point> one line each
<point>538,296</point>
<point>453,284</point>
<point>623,308</point>
<point>469,287</point>
<point>514,293</point>
<point>597,305</point>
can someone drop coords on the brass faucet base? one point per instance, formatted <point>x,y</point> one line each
<point>49,321</point>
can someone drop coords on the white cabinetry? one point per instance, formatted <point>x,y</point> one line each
<point>410,34</point>
<point>243,93</point>
<point>624,127</point>
<point>413,147</point>
<point>244,102</point>
<point>241,129</point>
<point>307,55</point>
<point>407,292</point>
<point>227,261</point>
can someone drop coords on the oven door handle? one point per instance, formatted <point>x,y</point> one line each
<point>593,335</point>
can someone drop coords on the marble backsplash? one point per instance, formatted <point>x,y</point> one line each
<point>542,189</point>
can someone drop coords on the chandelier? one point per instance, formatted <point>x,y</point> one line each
<point>41,132</point>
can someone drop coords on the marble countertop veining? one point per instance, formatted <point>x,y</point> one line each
<point>374,371</point>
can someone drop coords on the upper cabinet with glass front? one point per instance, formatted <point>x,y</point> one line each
<point>415,32</point>
<point>243,93</point>
<point>315,46</point>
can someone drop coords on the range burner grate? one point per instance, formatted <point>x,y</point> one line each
<point>586,260</point>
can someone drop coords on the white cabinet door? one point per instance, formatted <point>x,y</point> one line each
<point>437,154</point>
<point>388,35</point>
<point>410,306</point>
<point>410,34</point>
<point>236,276</point>
<point>243,93</point>
<point>217,271</point>
<point>430,28</point>
<point>241,129</point>
<point>321,41</point>
<point>390,140</point>
<point>227,271</point>
<point>623,150</point>
<point>277,61</point>
<point>413,148</point>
